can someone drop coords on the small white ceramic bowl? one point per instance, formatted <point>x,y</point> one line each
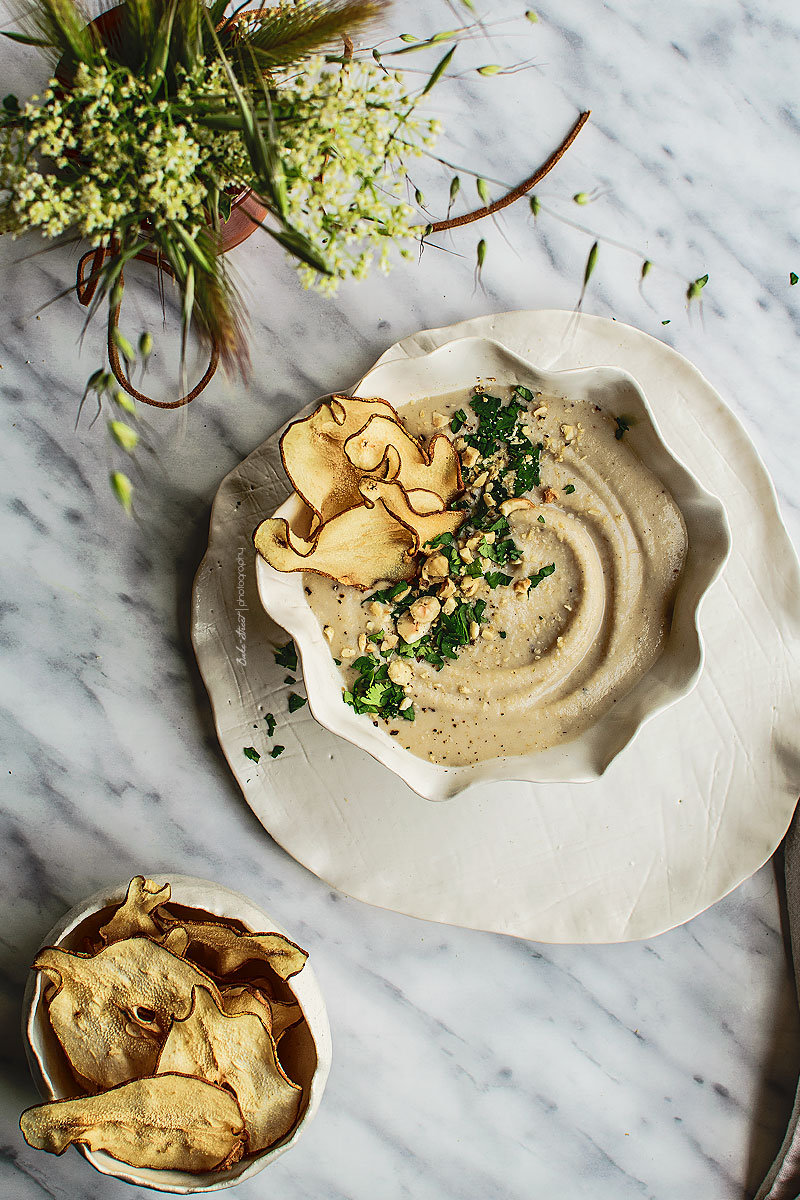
<point>305,1049</point>
<point>458,366</point>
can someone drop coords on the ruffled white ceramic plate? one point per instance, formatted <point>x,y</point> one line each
<point>695,804</point>
<point>453,367</point>
<point>305,1050</point>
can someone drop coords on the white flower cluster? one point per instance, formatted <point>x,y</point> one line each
<point>103,154</point>
<point>347,134</point>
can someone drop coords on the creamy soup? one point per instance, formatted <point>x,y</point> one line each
<point>570,618</point>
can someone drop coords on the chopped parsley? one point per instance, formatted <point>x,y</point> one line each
<point>499,422</point>
<point>373,691</point>
<point>276,751</point>
<point>389,594</point>
<point>510,462</point>
<point>541,520</point>
<point>289,679</point>
<point>286,656</point>
<point>540,575</point>
<point>495,578</point>
<point>449,633</point>
<point>569,489</point>
<point>271,723</point>
<point>623,426</point>
<point>296,701</point>
<point>793,277</point>
<point>251,753</point>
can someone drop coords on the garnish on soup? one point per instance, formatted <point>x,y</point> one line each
<point>519,562</point>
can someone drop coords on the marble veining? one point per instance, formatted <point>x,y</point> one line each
<point>466,1065</point>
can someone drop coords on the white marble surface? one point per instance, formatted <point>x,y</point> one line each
<point>465,1065</point>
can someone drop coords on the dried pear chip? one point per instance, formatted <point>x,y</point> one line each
<point>357,547</point>
<point>284,1016</point>
<point>277,1015</point>
<point>170,1122</point>
<point>135,914</point>
<point>313,458</point>
<point>112,1009</point>
<point>176,940</point>
<point>244,999</point>
<point>236,1052</point>
<point>226,949</point>
<point>424,526</point>
<point>424,502</point>
<point>385,440</point>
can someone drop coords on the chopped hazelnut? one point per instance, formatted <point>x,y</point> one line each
<point>474,629</point>
<point>425,608</point>
<point>438,420</point>
<point>446,590</point>
<point>469,586</point>
<point>400,671</point>
<point>347,652</point>
<point>521,586</point>
<point>449,606</point>
<point>549,496</point>
<point>436,566</point>
<point>362,642</point>
<point>514,504</point>
<point>469,457</point>
<point>327,632</point>
<point>415,622</point>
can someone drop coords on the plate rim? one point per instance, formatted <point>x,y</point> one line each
<point>523,925</point>
<point>581,760</point>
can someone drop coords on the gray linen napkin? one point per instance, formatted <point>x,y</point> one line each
<point>783,1178</point>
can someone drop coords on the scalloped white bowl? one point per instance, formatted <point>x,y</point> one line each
<point>459,365</point>
<point>305,1049</point>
